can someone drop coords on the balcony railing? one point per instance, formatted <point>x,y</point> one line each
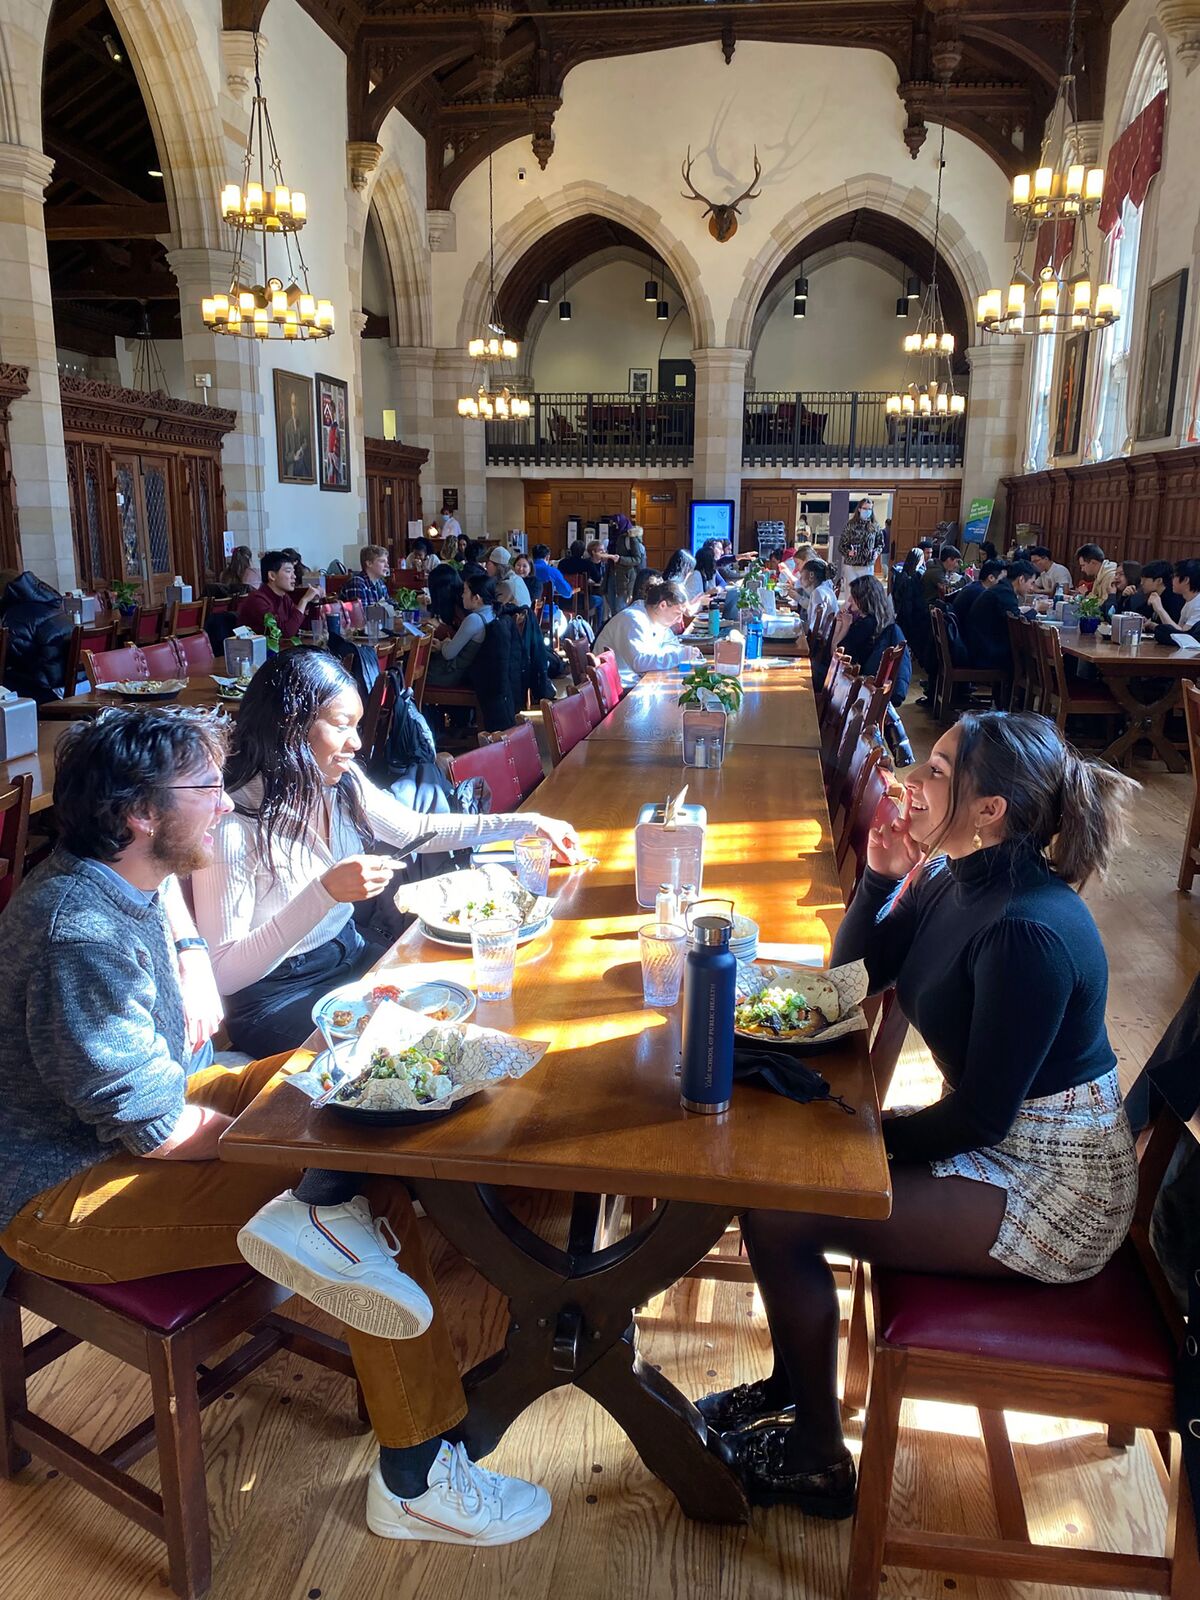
<point>605,430</point>
<point>844,428</point>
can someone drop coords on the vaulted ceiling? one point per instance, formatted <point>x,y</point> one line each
<point>472,76</point>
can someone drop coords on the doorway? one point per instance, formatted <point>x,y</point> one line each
<point>141,485</point>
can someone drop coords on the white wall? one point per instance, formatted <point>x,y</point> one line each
<point>376,367</point>
<point>170,354</point>
<point>850,338</point>
<point>505,505</point>
<point>612,328</point>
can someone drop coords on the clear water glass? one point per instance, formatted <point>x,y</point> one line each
<point>663,947</point>
<point>494,948</point>
<point>532,861</point>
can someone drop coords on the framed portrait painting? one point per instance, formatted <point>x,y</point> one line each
<point>640,379</point>
<point>1069,416</point>
<point>333,438</point>
<point>1165,306</point>
<point>295,441</point>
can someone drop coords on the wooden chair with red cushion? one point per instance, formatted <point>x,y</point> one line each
<point>1191,843</point>
<point>115,666</point>
<point>14,834</point>
<point>416,669</point>
<point>494,764</point>
<point>566,724</point>
<point>148,625</point>
<point>196,654</point>
<point>851,848</point>
<point>169,1327</point>
<point>840,763</point>
<point>220,603</point>
<point>576,652</point>
<point>164,660</point>
<point>606,675</point>
<point>587,693</point>
<point>1103,1350</point>
<point>523,748</point>
<point>186,618</point>
<point>96,640</point>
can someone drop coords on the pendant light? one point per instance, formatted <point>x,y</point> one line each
<point>930,392</point>
<point>912,288</point>
<point>564,305</point>
<point>800,296</point>
<point>902,306</point>
<point>650,287</point>
<point>543,294</point>
<point>491,400</point>
<point>663,310</point>
<point>1062,192</point>
<point>279,304</point>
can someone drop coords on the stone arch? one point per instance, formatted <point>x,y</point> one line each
<point>869,191</point>
<point>540,217</point>
<point>399,230</point>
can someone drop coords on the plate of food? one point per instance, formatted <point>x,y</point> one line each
<point>783,1004</point>
<point>404,1069</point>
<point>230,688</point>
<point>145,688</point>
<point>345,1012</point>
<point>447,906</point>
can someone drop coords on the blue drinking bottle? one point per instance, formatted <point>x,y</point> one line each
<point>714,620</point>
<point>709,993</point>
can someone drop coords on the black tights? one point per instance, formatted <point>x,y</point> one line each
<point>945,1225</point>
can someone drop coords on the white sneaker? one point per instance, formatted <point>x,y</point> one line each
<point>464,1504</point>
<point>339,1258</point>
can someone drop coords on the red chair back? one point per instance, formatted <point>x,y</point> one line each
<point>219,603</point>
<point>852,851</point>
<point>523,749</point>
<point>493,763</point>
<point>196,654</point>
<point>591,700</point>
<point>14,832</point>
<point>149,624</point>
<point>566,724</point>
<point>335,583</point>
<point>888,662</point>
<point>606,675</point>
<point>164,660</point>
<point>115,666</point>
<point>187,618</point>
<point>82,638</point>
<point>576,652</point>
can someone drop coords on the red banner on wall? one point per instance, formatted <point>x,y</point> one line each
<point>1133,160</point>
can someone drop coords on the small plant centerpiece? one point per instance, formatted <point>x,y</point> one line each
<point>408,601</point>
<point>1090,613</point>
<point>126,595</point>
<point>274,636</point>
<point>702,686</point>
<point>755,579</point>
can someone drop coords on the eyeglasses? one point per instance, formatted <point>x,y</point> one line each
<point>220,784</point>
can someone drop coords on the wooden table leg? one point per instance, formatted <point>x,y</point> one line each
<point>572,1321</point>
<point>1146,721</point>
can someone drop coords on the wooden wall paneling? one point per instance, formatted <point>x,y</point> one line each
<point>14,382</point>
<point>538,521</point>
<point>767,502</point>
<point>662,506</point>
<point>917,509</point>
<point>589,499</point>
<point>393,492</point>
<point>1146,507</point>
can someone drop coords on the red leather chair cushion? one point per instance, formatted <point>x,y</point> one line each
<point>1110,1323</point>
<point>168,1301</point>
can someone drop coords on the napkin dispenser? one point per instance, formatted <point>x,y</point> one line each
<point>79,608</point>
<point>18,726</point>
<point>178,593</point>
<point>729,656</point>
<point>664,854</point>
<point>380,613</point>
<point>243,656</point>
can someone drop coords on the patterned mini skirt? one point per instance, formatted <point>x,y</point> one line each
<point>1068,1166</point>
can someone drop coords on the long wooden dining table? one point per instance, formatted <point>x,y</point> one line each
<point>778,710</point>
<point>1118,665</point>
<point>599,1117</point>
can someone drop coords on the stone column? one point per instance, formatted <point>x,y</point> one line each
<point>720,398</point>
<point>358,466</point>
<point>233,364</point>
<point>996,420</point>
<point>459,456</point>
<point>27,339</point>
<point>412,396</point>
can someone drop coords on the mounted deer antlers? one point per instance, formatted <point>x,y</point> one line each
<point>723,221</point>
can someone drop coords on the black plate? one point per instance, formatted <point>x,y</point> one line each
<point>391,1119</point>
<point>801,1046</point>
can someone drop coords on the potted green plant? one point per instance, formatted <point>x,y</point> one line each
<point>273,634</point>
<point>704,681</point>
<point>408,601</point>
<point>1090,613</point>
<point>127,595</point>
<point>754,580</point>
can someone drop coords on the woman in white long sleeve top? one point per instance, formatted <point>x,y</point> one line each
<point>276,905</point>
<point>640,636</point>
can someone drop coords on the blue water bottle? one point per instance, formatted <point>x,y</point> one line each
<point>714,620</point>
<point>709,993</point>
<point>754,639</point>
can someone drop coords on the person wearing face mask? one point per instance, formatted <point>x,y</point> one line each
<point>861,542</point>
<point>1026,1165</point>
<point>276,906</point>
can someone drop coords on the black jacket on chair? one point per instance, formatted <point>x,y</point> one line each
<point>39,635</point>
<point>986,627</point>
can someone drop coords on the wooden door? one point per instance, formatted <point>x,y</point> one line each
<point>662,513</point>
<point>767,502</point>
<point>537,517</point>
<point>916,512</point>
<point>142,491</point>
<point>589,500</point>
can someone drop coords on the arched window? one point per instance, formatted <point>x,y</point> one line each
<point>1109,423</point>
<point>1037,450</point>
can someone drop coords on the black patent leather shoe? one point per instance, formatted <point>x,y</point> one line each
<point>729,1410</point>
<point>760,1458</point>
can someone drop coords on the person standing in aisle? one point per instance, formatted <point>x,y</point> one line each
<point>862,541</point>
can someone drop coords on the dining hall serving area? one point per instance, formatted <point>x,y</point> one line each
<point>599,735</point>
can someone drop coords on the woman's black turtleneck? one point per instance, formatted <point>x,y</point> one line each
<point>999,966</point>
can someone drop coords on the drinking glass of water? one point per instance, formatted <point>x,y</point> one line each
<point>494,947</point>
<point>532,860</point>
<point>663,947</point>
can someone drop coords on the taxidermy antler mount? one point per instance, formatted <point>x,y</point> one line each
<point>722,219</point>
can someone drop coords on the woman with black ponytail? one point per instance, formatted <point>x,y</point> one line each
<point>970,908</point>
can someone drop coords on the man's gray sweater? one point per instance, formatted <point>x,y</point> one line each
<point>92,1038</point>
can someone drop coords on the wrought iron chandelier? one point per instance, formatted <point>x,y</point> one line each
<point>1053,204</point>
<point>493,400</point>
<point>280,304</point>
<point>930,350</point>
